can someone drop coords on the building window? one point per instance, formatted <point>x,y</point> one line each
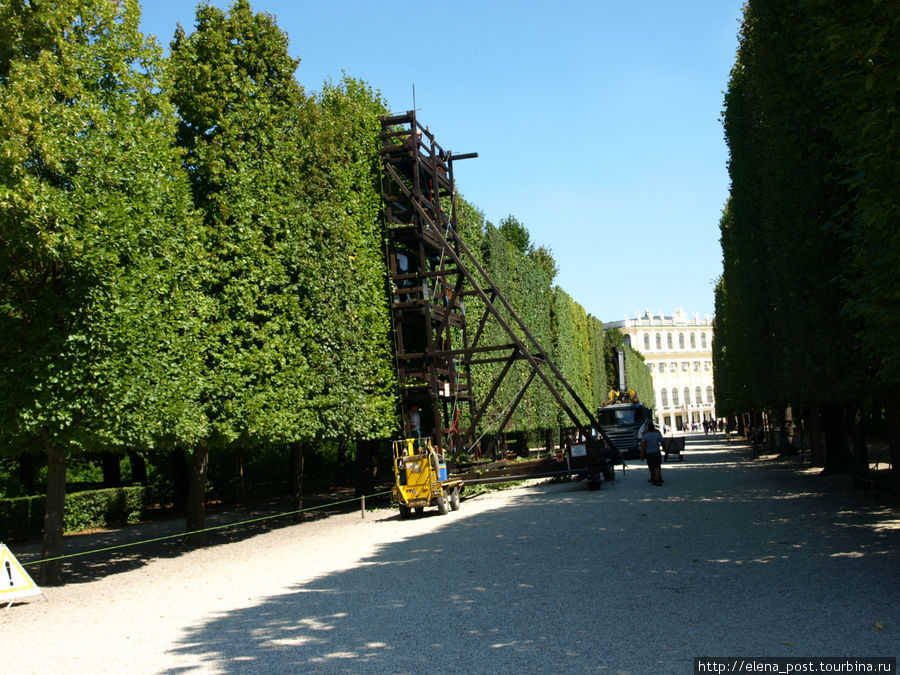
<point>659,341</point>
<point>697,395</point>
<point>675,397</point>
<point>628,341</point>
<point>646,342</point>
<point>693,340</point>
<point>669,340</point>
<point>681,340</point>
<point>664,398</point>
<point>703,340</point>
<point>696,366</point>
<point>684,366</point>
<point>687,396</point>
<point>673,367</point>
<point>709,395</point>
<point>706,366</point>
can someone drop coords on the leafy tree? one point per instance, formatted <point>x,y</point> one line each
<point>809,233</point>
<point>354,393</point>
<point>515,233</point>
<point>239,106</point>
<point>544,258</point>
<point>599,383</point>
<point>572,349</point>
<point>297,349</point>
<point>97,312</point>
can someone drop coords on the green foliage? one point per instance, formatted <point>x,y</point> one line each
<point>857,54</point>
<point>524,283</point>
<point>809,236</point>
<point>296,346</point>
<point>22,518</point>
<point>239,105</point>
<point>104,508</point>
<point>515,233</point>
<point>637,375</point>
<point>355,394</point>
<point>93,215</point>
<point>600,383</point>
<point>572,351</point>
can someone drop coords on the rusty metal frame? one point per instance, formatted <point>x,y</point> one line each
<point>432,228</point>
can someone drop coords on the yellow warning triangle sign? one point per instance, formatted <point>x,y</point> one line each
<point>14,580</point>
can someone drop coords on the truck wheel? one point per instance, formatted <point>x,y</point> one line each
<point>404,512</point>
<point>454,499</point>
<point>609,473</point>
<point>420,510</point>
<point>442,505</point>
<point>594,484</point>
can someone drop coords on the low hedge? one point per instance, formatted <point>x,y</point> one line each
<point>23,518</point>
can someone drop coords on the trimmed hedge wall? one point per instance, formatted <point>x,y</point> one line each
<point>23,518</point>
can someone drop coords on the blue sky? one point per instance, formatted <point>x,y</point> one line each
<point>596,122</point>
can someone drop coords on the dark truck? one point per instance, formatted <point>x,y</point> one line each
<point>623,418</point>
<point>624,424</point>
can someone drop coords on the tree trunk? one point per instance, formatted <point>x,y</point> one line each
<point>521,444</point>
<point>53,515</point>
<point>138,467</point>
<point>781,438</point>
<point>341,477</point>
<point>297,459</point>
<point>195,510</point>
<point>837,453</point>
<point>179,480</point>
<point>816,446</point>
<point>242,488</point>
<point>112,469</point>
<point>892,413</point>
<point>859,454</point>
<point>366,467</point>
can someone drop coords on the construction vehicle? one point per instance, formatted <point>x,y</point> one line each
<point>622,417</point>
<point>420,478</point>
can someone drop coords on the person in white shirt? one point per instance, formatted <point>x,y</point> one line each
<point>651,450</point>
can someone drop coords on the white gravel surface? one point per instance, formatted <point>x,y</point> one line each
<point>731,557</point>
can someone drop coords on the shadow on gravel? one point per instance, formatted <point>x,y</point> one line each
<point>730,556</point>
<point>133,546</point>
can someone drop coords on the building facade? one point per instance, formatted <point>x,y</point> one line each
<point>678,351</point>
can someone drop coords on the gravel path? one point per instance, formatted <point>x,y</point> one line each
<point>731,557</point>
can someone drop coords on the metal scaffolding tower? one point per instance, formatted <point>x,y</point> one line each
<point>432,274</point>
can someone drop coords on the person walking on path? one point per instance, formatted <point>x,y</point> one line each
<point>651,450</point>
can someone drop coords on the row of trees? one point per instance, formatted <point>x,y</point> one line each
<point>808,306</point>
<point>191,254</point>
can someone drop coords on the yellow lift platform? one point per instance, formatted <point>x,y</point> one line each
<point>420,478</point>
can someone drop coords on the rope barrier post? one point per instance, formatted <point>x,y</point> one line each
<point>363,502</point>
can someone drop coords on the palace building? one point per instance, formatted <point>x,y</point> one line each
<point>678,351</point>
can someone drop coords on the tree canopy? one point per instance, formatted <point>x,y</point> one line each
<point>97,303</point>
<point>807,306</point>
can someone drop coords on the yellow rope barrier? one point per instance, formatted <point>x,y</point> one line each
<point>208,529</point>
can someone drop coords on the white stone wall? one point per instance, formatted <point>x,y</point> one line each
<point>678,350</point>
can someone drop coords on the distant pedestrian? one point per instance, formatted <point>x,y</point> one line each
<point>651,450</point>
